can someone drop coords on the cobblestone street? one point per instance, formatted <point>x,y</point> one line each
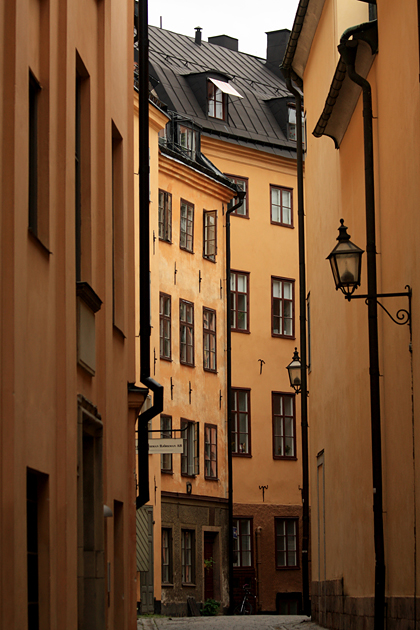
<point>253,622</point>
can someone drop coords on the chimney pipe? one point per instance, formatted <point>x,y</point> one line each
<point>198,30</point>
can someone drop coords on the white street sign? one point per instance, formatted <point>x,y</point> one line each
<point>166,445</point>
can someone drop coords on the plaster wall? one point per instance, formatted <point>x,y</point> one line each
<point>208,389</point>
<point>263,250</point>
<point>40,378</point>
<point>339,377</point>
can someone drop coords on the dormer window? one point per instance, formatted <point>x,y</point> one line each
<point>217,92</point>
<point>216,101</point>
<point>291,125</point>
<point>188,139</point>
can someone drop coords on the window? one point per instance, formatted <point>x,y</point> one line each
<point>186,234</point>
<point>188,140</point>
<point>241,422</point>
<point>291,124</point>
<point>38,550</point>
<point>210,234</point>
<point>281,206</point>
<point>83,177</point>
<point>186,332</point>
<point>34,90</point>
<point>242,183</point>
<point>286,543</point>
<point>210,451</point>
<point>166,556</point>
<point>242,543</point>
<point>165,216</point>
<point>209,339</point>
<point>239,305</point>
<point>166,432</point>
<point>190,458</point>
<point>216,101</point>
<point>282,306</point>
<point>284,439</point>
<point>117,229</point>
<point>188,556</point>
<point>165,326</point>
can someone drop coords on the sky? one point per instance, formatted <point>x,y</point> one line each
<point>240,19</point>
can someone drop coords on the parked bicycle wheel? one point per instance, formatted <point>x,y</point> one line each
<point>244,608</point>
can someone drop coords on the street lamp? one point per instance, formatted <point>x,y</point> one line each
<point>346,263</point>
<point>295,372</point>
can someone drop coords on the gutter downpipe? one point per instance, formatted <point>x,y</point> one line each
<point>241,196</point>
<point>144,272</point>
<point>348,50</point>
<point>303,347</point>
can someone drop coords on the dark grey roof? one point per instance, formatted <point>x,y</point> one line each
<point>178,62</point>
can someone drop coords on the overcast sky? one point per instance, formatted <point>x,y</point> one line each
<point>246,21</point>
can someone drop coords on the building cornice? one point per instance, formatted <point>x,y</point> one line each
<point>213,147</point>
<point>176,169</point>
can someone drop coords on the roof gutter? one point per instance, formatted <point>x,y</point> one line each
<point>293,42</point>
<point>348,52</point>
<point>344,94</point>
<point>144,244</point>
<point>301,37</point>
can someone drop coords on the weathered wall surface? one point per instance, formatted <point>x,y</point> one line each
<point>46,396</point>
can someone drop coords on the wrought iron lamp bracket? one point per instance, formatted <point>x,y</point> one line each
<point>402,317</point>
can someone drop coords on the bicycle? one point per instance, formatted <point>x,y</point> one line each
<point>245,607</point>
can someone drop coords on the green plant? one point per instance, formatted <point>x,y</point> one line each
<point>210,607</point>
<point>208,563</point>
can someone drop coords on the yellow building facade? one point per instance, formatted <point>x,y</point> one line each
<point>267,466</point>
<point>357,579</point>
<point>188,490</point>
<point>67,316</point>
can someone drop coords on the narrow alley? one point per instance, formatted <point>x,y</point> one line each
<point>224,622</point>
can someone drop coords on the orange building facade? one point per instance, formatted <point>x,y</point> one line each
<point>189,491</point>
<point>359,578</point>
<point>67,316</point>
<point>267,464</point>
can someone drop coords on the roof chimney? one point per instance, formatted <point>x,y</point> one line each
<point>198,30</point>
<point>276,47</point>
<point>225,41</point>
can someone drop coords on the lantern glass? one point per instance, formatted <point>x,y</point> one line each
<point>295,372</point>
<point>346,263</point>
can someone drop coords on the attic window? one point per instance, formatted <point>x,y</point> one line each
<point>188,140</point>
<point>291,124</point>
<point>217,92</point>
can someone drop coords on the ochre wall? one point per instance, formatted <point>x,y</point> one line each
<point>263,250</point>
<point>40,378</point>
<point>339,377</point>
<point>206,405</point>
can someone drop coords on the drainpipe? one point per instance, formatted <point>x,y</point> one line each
<point>303,349</point>
<point>144,244</point>
<point>240,196</point>
<point>348,50</point>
